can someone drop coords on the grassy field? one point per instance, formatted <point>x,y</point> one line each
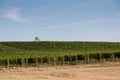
<point>57,53</point>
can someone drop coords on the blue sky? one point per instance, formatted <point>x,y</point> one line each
<point>60,20</point>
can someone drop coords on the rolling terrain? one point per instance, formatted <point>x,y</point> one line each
<point>57,53</point>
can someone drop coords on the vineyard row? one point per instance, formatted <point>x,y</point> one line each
<point>60,60</point>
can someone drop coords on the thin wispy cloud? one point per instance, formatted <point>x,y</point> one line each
<point>14,15</point>
<point>40,9</point>
<point>97,20</point>
<point>92,21</point>
<point>112,33</point>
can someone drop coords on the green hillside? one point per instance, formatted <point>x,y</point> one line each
<point>53,46</point>
<point>56,50</point>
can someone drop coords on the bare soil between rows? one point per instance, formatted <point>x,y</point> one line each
<point>104,71</point>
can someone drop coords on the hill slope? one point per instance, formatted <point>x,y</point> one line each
<point>53,52</point>
<point>52,46</point>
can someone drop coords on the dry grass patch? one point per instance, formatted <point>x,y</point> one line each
<point>65,75</point>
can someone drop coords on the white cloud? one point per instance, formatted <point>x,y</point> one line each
<point>14,15</point>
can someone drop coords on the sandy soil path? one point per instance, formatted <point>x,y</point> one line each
<point>62,73</point>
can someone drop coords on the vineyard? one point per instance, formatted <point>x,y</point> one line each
<point>35,54</point>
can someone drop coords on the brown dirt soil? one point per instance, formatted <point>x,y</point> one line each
<point>78,72</point>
